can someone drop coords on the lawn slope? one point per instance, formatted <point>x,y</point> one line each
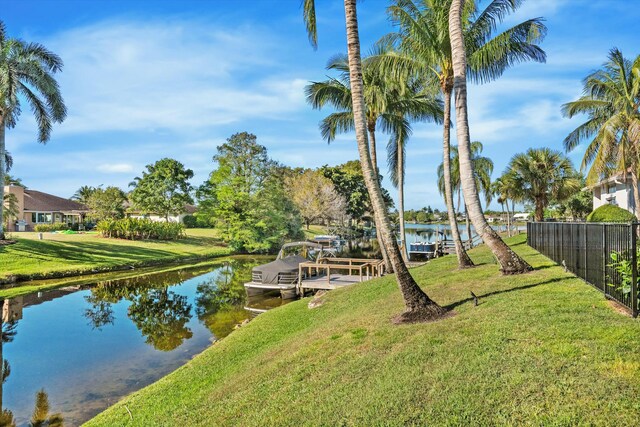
<point>60,255</point>
<point>540,349</point>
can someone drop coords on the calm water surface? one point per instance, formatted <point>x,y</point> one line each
<point>87,346</point>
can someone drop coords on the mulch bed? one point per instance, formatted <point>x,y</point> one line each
<point>7,242</point>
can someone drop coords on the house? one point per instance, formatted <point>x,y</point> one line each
<point>615,190</point>
<point>36,207</point>
<point>188,210</point>
<point>521,216</point>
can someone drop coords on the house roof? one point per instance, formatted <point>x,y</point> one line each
<point>616,177</point>
<point>43,202</point>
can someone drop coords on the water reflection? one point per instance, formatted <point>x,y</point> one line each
<point>89,345</point>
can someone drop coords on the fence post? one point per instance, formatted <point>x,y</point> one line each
<point>604,258</point>
<point>585,249</point>
<point>634,270</point>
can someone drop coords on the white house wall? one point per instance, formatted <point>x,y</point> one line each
<point>621,197</point>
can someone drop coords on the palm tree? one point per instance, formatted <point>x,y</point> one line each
<point>41,416</point>
<point>423,47</point>
<point>10,208</point>
<point>541,176</point>
<point>26,71</point>
<point>482,170</point>
<point>390,105</point>
<point>510,262</point>
<point>83,193</point>
<point>611,101</point>
<point>502,187</point>
<point>418,305</point>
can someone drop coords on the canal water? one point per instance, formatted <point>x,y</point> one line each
<point>86,346</point>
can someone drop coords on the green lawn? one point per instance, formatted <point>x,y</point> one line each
<point>314,230</point>
<point>541,349</point>
<point>64,255</point>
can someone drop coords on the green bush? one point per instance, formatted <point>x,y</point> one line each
<point>190,221</point>
<point>58,226</point>
<point>610,213</point>
<point>140,229</point>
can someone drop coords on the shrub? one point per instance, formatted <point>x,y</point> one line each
<point>190,221</point>
<point>58,226</point>
<point>140,229</point>
<point>610,213</point>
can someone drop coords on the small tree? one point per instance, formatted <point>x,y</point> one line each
<point>10,208</point>
<point>164,189</point>
<point>106,203</point>
<point>316,197</point>
<point>82,194</point>
<point>541,176</point>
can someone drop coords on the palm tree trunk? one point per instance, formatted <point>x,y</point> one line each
<point>371,127</point>
<point>636,192</point>
<point>2,172</point>
<point>463,258</point>
<point>508,219</point>
<point>418,305</point>
<point>466,215</point>
<point>539,210</point>
<point>400,173</point>
<point>510,262</point>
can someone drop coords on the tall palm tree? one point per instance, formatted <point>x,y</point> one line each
<point>390,105</point>
<point>26,70</point>
<point>542,175</point>
<point>611,101</point>
<point>423,47</point>
<point>83,193</point>
<point>418,305</point>
<point>509,261</point>
<point>482,170</point>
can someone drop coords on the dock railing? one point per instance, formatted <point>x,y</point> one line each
<point>605,255</point>
<point>365,268</point>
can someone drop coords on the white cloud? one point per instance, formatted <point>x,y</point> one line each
<point>115,168</point>
<point>176,76</point>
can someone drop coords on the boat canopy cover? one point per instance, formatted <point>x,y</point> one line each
<point>271,270</point>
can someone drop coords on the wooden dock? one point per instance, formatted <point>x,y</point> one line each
<point>333,273</point>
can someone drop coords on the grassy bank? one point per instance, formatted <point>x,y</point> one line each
<point>314,230</point>
<point>541,349</point>
<point>61,255</point>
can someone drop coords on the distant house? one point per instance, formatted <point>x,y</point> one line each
<point>521,216</point>
<point>615,190</point>
<point>36,207</point>
<point>188,210</point>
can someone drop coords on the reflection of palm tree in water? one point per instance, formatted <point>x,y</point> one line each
<point>40,417</point>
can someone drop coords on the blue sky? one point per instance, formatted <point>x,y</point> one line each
<point>150,79</point>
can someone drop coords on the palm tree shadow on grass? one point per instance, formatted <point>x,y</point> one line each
<point>504,291</point>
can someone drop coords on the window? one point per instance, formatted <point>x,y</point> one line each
<point>40,217</point>
<point>611,188</point>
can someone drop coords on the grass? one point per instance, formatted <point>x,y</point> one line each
<point>314,230</point>
<point>540,349</point>
<point>60,255</point>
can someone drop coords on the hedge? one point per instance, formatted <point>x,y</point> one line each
<point>140,229</point>
<point>610,213</point>
<point>58,226</point>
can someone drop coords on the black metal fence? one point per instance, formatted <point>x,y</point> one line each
<point>604,255</point>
